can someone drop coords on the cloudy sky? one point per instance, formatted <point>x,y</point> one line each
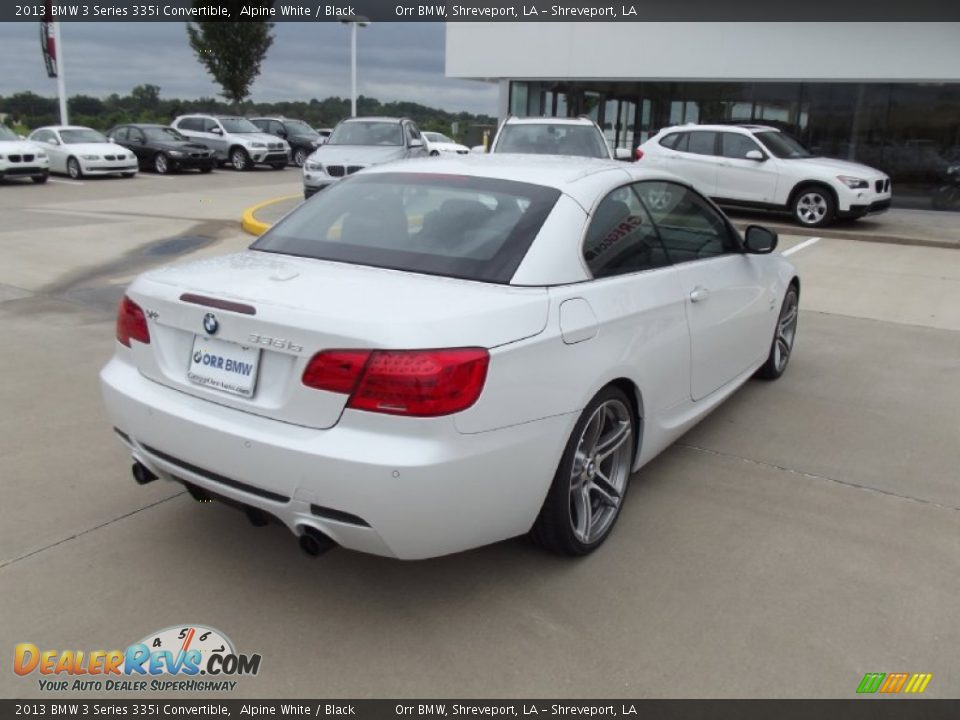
<point>396,61</point>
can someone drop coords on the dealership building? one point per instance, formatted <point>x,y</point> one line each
<point>886,94</point>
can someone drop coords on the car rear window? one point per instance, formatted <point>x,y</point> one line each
<point>450,225</point>
<point>552,139</point>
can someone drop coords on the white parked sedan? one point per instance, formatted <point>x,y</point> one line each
<point>78,151</point>
<point>440,144</point>
<point>437,354</point>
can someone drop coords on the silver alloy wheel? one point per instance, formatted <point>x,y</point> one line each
<point>299,157</point>
<point>239,159</point>
<point>601,468</point>
<point>73,168</point>
<point>811,208</point>
<point>160,163</point>
<point>786,331</point>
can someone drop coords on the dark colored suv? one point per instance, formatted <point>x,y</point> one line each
<point>302,138</point>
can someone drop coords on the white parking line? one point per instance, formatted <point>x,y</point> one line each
<point>801,246</point>
<point>141,176</point>
<point>64,182</point>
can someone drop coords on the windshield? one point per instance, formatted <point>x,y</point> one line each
<point>238,125</point>
<point>550,139</point>
<point>168,134</point>
<point>366,133</point>
<point>437,137</point>
<point>81,136</point>
<point>450,225</point>
<point>295,127</point>
<point>7,134</point>
<point>782,145</point>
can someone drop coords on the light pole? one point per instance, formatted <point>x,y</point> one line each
<point>354,21</point>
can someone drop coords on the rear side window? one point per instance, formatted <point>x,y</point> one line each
<point>621,238</point>
<point>669,141</point>
<point>450,225</point>
<point>702,142</point>
<point>121,133</point>
<point>190,124</point>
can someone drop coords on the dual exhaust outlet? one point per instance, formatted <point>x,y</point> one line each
<point>312,541</point>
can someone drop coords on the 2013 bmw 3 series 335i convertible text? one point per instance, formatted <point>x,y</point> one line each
<point>438,354</point>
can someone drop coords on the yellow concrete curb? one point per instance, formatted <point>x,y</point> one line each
<point>248,220</point>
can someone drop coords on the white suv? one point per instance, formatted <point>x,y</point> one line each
<point>19,158</point>
<point>579,137</point>
<point>235,140</point>
<point>762,168</point>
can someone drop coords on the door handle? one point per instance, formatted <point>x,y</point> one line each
<point>699,294</point>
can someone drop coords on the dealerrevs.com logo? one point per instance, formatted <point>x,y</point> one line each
<point>181,658</point>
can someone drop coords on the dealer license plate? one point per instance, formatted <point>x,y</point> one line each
<point>224,366</point>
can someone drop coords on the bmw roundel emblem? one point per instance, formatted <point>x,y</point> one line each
<point>210,324</point>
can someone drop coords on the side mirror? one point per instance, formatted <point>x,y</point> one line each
<point>416,142</point>
<point>623,154</point>
<point>216,131</point>
<point>478,150</point>
<point>755,155</point>
<point>760,240</point>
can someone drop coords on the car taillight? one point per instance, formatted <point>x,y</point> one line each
<point>420,383</point>
<point>131,323</point>
<point>638,154</point>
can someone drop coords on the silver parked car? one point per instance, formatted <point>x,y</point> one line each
<point>235,140</point>
<point>358,143</point>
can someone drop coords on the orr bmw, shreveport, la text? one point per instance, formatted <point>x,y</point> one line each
<point>514,11</point>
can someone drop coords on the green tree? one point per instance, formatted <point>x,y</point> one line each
<point>148,96</point>
<point>232,51</point>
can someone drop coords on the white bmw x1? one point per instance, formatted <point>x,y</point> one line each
<point>434,355</point>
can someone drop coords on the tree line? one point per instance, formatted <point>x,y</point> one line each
<point>27,110</point>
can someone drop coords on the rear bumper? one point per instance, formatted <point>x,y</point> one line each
<point>418,487</point>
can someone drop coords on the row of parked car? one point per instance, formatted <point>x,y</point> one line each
<point>744,166</point>
<point>191,142</point>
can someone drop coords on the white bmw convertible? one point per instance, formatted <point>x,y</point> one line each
<point>438,354</point>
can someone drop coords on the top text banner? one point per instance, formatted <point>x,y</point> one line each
<point>486,11</point>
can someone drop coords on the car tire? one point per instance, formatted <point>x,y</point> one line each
<point>579,513</point>
<point>813,206</point>
<point>239,159</point>
<point>39,179</point>
<point>434,153</point>
<point>206,170</point>
<point>73,169</point>
<point>784,336</point>
<point>300,157</point>
<point>161,163</point>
